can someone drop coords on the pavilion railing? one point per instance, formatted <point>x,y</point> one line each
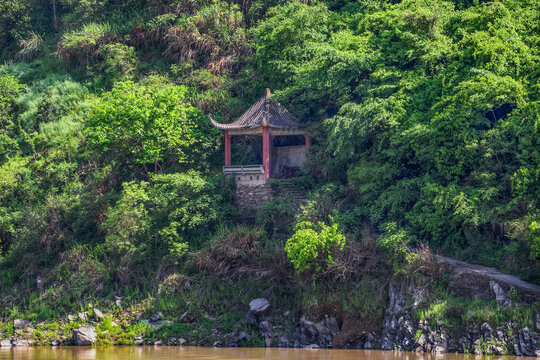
<point>243,169</point>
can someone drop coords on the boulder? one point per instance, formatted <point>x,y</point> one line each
<point>98,315</point>
<point>23,343</point>
<point>321,333</point>
<point>283,342</point>
<point>5,343</point>
<point>500,295</point>
<point>138,340</point>
<point>84,336</point>
<point>266,329</point>
<point>160,324</point>
<point>441,344</point>
<point>259,306</point>
<point>39,283</point>
<point>236,338</point>
<point>328,329</point>
<point>156,317</point>
<point>20,324</point>
<point>307,332</point>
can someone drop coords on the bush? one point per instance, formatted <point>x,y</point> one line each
<point>160,128</point>
<point>313,245</point>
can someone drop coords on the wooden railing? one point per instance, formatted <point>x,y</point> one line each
<point>243,169</point>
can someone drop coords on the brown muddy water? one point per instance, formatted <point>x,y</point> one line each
<point>191,353</point>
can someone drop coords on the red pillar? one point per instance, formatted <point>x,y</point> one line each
<point>308,142</point>
<point>266,151</point>
<point>227,148</point>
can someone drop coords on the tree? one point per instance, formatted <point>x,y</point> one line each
<point>151,128</point>
<point>312,245</point>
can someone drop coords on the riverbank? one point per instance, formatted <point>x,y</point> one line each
<point>419,317</point>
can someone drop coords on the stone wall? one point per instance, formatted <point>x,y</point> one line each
<point>252,196</point>
<point>292,156</point>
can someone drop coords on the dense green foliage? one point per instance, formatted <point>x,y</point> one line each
<point>425,118</point>
<point>312,245</point>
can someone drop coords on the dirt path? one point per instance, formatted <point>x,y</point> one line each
<point>473,280</point>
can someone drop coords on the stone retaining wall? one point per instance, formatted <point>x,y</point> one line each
<point>252,196</point>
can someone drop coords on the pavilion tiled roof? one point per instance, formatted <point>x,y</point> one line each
<point>265,112</point>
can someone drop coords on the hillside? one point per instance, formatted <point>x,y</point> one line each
<point>425,124</point>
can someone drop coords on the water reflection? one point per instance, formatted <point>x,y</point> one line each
<point>190,353</point>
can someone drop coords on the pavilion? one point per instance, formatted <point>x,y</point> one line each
<point>269,119</point>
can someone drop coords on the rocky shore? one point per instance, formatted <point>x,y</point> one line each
<point>400,331</point>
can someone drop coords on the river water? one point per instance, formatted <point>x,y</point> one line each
<point>190,353</point>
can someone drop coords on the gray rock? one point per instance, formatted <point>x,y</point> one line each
<point>55,343</point>
<point>266,329</point>
<point>500,294</point>
<point>83,316</point>
<point>20,324</point>
<point>526,343</point>
<point>369,342</point>
<point>5,343</point>
<point>441,344</point>
<point>486,330</point>
<point>464,344</point>
<point>307,332</point>
<point>158,343</point>
<point>158,325</point>
<point>422,341</point>
<point>283,342</point>
<point>138,340</point>
<point>217,344</point>
<point>23,343</point>
<point>398,327</point>
<point>312,346</point>
<point>84,336</point>
<point>98,315</point>
<point>71,318</point>
<point>537,321</point>
<point>39,283</point>
<point>259,306</point>
<point>321,333</point>
<point>236,338</point>
<point>181,341</point>
<point>156,317</point>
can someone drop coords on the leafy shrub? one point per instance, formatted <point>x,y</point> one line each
<point>159,221</point>
<point>313,245</point>
<point>119,62</point>
<point>396,241</point>
<point>160,128</point>
<point>534,239</point>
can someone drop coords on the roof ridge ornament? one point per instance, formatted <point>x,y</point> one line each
<point>267,93</point>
